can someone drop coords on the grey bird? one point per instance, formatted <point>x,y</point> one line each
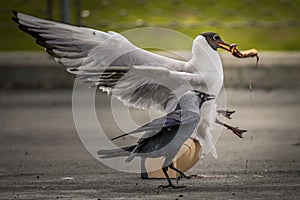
<point>165,136</point>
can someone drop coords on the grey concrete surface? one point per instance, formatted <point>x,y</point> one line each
<point>40,150</point>
<point>39,70</point>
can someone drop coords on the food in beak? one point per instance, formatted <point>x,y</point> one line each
<point>240,54</point>
<point>243,54</point>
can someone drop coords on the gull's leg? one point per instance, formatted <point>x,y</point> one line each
<point>165,170</point>
<point>226,113</point>
<point>235,130</point>
<point>180,172</point>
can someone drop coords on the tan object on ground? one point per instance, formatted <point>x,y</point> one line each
<point>189,156</point>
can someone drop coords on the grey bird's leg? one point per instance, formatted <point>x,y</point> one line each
<point>165,170</point>
<point>235,130</point>
<point>182,175</point>
<point>226,113</point>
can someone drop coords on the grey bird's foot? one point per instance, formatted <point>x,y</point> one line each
<point>226,113</point>
<point>170,186</point>
<point>182,176</point>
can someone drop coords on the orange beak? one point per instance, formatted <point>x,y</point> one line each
<point>225,46</point>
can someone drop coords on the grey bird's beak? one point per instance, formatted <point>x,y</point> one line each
<point>209,97</point>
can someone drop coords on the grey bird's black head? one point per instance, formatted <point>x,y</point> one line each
<point>193,100</point>
<point>204,96</point>
<point>215,41</point>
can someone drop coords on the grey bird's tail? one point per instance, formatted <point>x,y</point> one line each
<point>112,153</point>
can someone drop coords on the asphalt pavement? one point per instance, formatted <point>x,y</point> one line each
<point>42,156</point>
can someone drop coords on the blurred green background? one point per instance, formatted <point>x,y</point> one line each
<point>265,25</point>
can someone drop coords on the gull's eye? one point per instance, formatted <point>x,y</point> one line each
<point>201,96</point>
<point>216,37</point>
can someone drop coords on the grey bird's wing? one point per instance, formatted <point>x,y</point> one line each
<point>162,131</point>
<point>176,118</point>
<point>110,62</point>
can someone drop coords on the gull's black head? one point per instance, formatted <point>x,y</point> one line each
<point>215,41</point>
<point>204,96</point>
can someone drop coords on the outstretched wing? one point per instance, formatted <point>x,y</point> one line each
<point>108,60</point>
<point>87,48</point>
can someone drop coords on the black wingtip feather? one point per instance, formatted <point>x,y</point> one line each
<point>15,12</point>
<point>73,69</point>
<point>26,29</point>
<point>50,52</point>
<point>42,43</point>
<point>15,19</point>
